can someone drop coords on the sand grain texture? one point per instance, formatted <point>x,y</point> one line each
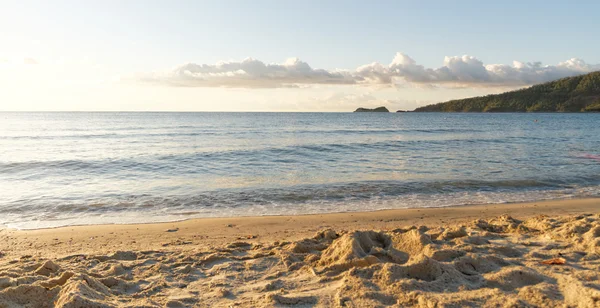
<point>496,262</point>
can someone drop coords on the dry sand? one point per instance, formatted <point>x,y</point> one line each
<point>488,255</point>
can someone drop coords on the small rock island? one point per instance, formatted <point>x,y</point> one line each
<point>378,109</point>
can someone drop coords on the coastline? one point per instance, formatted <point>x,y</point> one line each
<point>60,241</point>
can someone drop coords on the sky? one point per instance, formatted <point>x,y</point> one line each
<point>283,55</point>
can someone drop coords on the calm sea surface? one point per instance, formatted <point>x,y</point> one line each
<point>85,168</point>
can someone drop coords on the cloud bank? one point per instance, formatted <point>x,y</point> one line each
<point>456,71</point>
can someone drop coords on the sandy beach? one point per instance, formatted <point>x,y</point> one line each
<point>305,154</point>
<point>544,254</point>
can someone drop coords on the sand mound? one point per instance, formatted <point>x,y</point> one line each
<point>496,263</point>
<point>359,249</point>
<point>412,241</point>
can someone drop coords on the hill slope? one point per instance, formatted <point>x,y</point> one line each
<point>572,94</point>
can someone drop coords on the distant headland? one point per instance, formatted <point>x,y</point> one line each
<point>572,94</point>
<point>378,109</point>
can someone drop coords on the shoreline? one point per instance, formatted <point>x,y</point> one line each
<point>263,229</point>
<point>543,254</point>
<point>4,227</point>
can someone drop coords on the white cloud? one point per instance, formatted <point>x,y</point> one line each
<point>250,73</point>
<point>456,71</point>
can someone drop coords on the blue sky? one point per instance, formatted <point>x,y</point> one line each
<point>126,38</point>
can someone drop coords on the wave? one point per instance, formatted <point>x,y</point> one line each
<point>212,161</point>
<point>300,194</point>
<point>307,199</point>
<point>125,133</point>
<point>154,162</point>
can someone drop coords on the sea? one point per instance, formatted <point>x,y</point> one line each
<point>79,168</point>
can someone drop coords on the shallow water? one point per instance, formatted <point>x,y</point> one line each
<point>83,168</point>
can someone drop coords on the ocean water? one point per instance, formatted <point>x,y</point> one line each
<point>61,169</point>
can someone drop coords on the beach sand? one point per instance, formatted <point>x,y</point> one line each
<point>485,255</point>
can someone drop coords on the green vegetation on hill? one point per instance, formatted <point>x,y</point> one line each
<point>573,94</point>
